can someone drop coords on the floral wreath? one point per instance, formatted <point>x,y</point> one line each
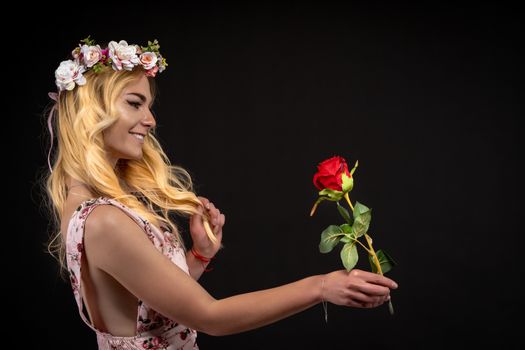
<point>119,56</point>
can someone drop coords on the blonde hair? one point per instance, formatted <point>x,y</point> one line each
<point>81,117</point>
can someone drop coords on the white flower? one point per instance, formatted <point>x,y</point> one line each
<point>91,55</point>
<point>148,60</point>
<point>123,55</point>
<point>68,73</point>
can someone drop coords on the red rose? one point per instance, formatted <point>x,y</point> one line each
<point>330,174</point>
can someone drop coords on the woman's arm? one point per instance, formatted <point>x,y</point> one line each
<point>195,266</point>
<point>248,311</point>
<point>115,244</point>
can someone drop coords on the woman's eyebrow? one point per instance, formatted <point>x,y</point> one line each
<point>141,96</point>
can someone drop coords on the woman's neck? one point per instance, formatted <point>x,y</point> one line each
<point>78,189</point>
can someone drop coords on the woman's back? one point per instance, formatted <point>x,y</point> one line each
<point>118,317</point>
<point>100,291</point>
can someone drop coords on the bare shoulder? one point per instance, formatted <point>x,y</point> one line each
<point>110,222</point>
<point>109,228</point>
<point>106,219</point>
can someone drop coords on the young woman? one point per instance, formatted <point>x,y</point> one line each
<point>111,188</point>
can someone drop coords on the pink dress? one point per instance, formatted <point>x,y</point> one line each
<point>154,331</point>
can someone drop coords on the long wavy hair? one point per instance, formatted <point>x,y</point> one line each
<point>151,186</point>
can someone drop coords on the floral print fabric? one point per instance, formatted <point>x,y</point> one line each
<point>154,331</point>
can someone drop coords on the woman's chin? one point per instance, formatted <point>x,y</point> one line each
<point>133,156</point>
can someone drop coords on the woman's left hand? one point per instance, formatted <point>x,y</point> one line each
<point>201,242</point>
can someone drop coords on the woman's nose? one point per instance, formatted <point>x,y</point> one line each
<point>149,118</point>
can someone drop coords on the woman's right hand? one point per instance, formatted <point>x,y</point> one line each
<point>356,288</point>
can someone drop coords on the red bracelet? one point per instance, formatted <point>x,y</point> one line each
<point>201,258</point>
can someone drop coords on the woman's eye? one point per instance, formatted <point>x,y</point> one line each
<point>135,105</point>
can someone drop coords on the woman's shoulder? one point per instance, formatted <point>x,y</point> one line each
<point>109,225</point>
<point>105,215</point>
<point>109,217</point>
<point>95,213</point>
<point>89,205</point>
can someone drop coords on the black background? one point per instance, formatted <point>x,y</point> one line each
<point>255,95</point>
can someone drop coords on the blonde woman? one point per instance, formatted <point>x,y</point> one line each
<point>111,188</point>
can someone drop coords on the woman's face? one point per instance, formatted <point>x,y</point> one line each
<point>124,139</point>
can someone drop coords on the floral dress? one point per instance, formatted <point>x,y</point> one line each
<point>154,331</point>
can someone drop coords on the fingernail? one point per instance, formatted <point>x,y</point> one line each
<point>394,285</point>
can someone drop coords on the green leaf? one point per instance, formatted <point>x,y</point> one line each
<point>347,183</point>
<point>385,261</point>
<point>332,195</point>
<point>349,256</point>
<point>355,167</point>
<point>88,41</point>
<point>344,213</point>
<point>359,208</point>
<point>346,228</point>
<point>329,238</point>
<point>152,47</point>
<point>346,238</point>
<point>362,217</point>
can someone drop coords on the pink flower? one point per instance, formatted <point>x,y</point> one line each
<point>148,60</point>
<point>152,72</point>
<point>105,55</point>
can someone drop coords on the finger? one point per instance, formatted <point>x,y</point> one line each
<point>379,303</point>
<point>373,304</point>
<point>374,278</point>
<point>353,303</point>
<point>215,220</point>
<point>218,235</point>
<point>361,298</point>
<point>370,305</point>
<point>212,212</point>
<point>196,219</point>
<point>212,215</point>
<point>220,223</point>
<point>204,201</point>
<point>215,216</point>
<point>373,289</point>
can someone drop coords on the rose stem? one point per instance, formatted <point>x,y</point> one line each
<point>314,208</point>
<point>378,266</point>
<point>348,200</point>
